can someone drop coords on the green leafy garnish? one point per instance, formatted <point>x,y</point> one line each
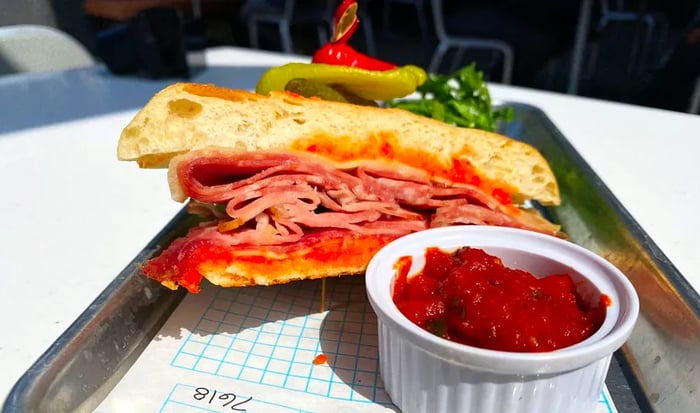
<point>461,99</point>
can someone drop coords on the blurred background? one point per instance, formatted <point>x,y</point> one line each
<point>644,52</point>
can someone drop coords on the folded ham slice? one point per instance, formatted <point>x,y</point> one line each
<point>268,208</point>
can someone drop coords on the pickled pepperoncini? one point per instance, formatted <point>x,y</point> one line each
<point>363,83</point>
<point>339,72</point>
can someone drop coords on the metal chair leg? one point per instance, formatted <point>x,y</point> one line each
<point>385,18</point>
<point>508,59</point>
<point>323,35</point>
<point>639,50</point>
<point>437,57</point>
<point>422,22</point>
<point>366,24</point>
<point>459,54</point>
<point>646,46</point>
<point>592,64</point>
<point>286,36</point>
<point>580,41</point>
<point>253,34</point>
<point>695,98</point>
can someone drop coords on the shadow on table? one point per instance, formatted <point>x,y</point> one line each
<point>348,337</point>
<point>82,93</point>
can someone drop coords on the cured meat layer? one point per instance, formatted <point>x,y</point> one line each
<point>265,209</point>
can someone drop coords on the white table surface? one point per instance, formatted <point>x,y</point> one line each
<point>73,216</point>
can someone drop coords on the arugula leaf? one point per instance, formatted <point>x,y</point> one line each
<point>461,99</point>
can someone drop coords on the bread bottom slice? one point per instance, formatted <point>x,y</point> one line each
<point>318,255</point>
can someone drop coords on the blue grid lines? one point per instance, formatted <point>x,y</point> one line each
<point>271,336</point>
<point>603,400</point>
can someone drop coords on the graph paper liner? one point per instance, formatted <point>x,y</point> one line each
<point>255,349</point>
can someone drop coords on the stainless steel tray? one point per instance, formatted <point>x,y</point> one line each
<point>658,370</point>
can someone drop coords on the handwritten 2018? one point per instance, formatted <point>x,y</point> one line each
<point>228,400</point>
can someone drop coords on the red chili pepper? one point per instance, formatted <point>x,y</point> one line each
<point>345,21</point>
<point>344,55</point>
<point>338,52</point>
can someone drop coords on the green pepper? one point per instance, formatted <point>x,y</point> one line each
<point>366,84</point>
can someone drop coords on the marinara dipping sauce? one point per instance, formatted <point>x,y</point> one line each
<point>470,297</point>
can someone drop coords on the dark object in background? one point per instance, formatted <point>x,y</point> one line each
<point>537,30</point>
<point>672,85</point>
<point>151,44</point>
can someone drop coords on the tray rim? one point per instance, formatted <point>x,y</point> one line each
<point>685,289</point>
<point>14,399</point>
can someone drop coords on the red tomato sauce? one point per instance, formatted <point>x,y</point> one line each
<point>470,297</point>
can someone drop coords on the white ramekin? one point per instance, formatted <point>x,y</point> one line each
<point>425,373</point>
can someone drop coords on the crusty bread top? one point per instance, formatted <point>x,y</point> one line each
<point>187,116</point>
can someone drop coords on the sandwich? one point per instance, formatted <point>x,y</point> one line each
<point>292,188</point>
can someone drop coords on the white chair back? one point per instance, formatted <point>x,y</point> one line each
<point>34,48</point>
